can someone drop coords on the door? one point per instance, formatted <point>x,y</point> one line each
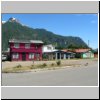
<point>58,55</point>
<point>23,56</point>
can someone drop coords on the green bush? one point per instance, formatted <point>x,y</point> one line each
<point>18,66</point>
<point>58,63</point>
<point>42,66</point>
<point>78,55</point>
<point>45,56</point>
<point>52,64</point>
<point>32,67</point>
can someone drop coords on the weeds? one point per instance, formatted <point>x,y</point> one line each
<point>58,63</point>
<point>52,64</point>
<point>42,65</point>
<point>18,66</point>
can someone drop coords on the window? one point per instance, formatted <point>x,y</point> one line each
<point>36,47</point>
<point>16,45</point>
<point>49,48</point>
<point>31,55</point>
<point>15,55</point>
<point>27,46</point>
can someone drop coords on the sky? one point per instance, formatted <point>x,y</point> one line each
<point>84,26</point>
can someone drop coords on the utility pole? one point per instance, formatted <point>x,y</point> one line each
<point>88,43</point>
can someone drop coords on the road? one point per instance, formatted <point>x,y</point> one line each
<point>72,76</point>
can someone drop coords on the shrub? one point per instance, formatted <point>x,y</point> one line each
<point>44,65</point>
<point>32,67</point>
<point>52,64</point>
<point>18,66</point>
<point>45,56</point>
<point>58,63</point>
<point>78,55</point>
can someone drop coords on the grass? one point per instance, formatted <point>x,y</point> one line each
<point>16,69</point>
<point>20,68</point>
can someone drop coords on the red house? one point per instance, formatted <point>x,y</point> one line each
<point>25,50</point>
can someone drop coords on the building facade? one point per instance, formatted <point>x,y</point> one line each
<point>68,54</point>
<point>49,52</point>
<point>25,50</point>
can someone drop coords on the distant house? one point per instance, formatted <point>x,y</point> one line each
<point>96,53</point>
<point>50,53</point>
<point>84,53</point>
<point>25,50</point>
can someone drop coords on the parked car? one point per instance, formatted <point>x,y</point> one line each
<point>4,57</point>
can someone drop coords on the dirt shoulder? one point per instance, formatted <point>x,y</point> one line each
<point>29,63</point>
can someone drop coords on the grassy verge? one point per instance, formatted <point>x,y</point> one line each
<point>20,68</point>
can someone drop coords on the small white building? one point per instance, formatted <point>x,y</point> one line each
<point>49,52</point>
<point>48,48</point>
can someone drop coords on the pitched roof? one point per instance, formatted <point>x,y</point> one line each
<point>25,41</point>
<point>75,50</point>
<point>67,50</point>
<point>81,50</point>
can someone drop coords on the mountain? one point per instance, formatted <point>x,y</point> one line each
<point>13,29</point>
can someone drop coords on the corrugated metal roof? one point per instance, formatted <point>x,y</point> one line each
<point>25,41</point>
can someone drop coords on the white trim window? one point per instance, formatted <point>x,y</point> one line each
<point>15,56</point>
<point>16,45</point>
<point>49,48</point>
<point>27,45</point>
<point>31,55</point>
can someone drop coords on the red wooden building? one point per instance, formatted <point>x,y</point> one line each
<point>25,50</point>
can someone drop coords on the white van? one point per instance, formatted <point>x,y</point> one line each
<point>4,57</point>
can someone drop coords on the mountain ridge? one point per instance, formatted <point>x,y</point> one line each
<point>14,29</point>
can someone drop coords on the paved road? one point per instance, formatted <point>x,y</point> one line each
<point>78,76</point>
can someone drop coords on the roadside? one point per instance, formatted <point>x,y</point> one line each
<point>26,66</point>
<point>71,76</point>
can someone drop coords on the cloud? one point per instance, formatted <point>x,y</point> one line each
<point>3,22</point>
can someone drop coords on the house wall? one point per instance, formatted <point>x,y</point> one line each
<point>48,48</point>
<point>27,57</point>
<point>88,55</point>
<point>22,49</point>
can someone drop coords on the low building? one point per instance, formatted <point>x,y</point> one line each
<point>49,52</point>
<point>95,53</point>
<point>84,53</point>
<point>68,54</point>
<point>25,50</point>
